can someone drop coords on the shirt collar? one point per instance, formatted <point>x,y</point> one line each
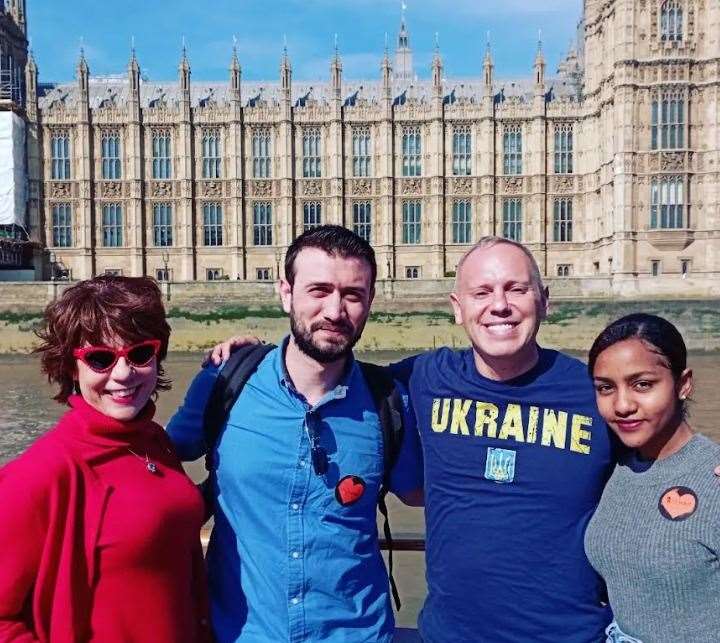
<point>339,392</point>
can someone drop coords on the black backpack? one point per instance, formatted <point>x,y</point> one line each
<point>243,363</point>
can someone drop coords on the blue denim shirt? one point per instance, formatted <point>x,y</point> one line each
<point>286,560</point>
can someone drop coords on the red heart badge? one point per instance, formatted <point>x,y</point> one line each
<point>349,490</point>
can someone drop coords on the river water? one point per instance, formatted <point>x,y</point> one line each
<point>27,410</point>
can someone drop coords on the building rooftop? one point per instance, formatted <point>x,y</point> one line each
<point>108,91</point>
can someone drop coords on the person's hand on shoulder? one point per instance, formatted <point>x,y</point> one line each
<point>221,352</point>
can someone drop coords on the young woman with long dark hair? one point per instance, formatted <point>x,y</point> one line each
<point>655,537</point>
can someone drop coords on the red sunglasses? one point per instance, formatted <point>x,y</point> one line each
<point>103,358</point>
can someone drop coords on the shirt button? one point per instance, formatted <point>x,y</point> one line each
<point>301,464</point>
<point>295,600</point>
<point>295,554</point>
<point>295,506</point>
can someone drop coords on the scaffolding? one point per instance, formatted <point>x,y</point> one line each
<point>12,80</point>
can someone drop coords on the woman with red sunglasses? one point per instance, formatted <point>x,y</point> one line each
<point>99,525</point>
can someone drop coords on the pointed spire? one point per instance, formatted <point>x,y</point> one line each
<point>83,71</point>
<point>134,70</point>
<point>234,63</point>
<point>539,57</point>
<point>235,71</point>
<point>403,53</point>
<point>285,72</point>
<point>437,69</point>
<point>133,65</point>
<point>539,66</point>
<point>386,71</point>
<point>488,66</point>
<point>184,63</point>
<point>82,63</point>
<point>336,72</point>
<point>184,71</point>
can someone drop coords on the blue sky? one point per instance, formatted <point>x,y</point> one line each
<point>57,29</point>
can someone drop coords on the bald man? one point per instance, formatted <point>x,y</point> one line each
<point>516,458</point>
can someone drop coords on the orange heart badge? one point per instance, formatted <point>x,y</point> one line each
<point>678,503</point>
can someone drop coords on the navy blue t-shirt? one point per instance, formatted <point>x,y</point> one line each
<point>513,473</point>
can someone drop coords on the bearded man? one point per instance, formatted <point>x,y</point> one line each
<point>291,558</point>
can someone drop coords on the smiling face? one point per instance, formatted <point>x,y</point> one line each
<point>121,392</point>
<point>500,306</point>
<point>640,399</point>
<point>328,303</point>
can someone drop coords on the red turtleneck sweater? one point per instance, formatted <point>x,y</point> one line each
<point>93,546</point>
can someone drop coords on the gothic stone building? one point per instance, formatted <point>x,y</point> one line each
<point>608,169</point>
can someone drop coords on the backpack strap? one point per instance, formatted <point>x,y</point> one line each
<point>388,402</point>
<point>228,386</point>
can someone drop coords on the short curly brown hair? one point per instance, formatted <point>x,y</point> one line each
<point>96,311</point>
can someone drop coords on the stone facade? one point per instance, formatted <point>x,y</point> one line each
<point>609,169</point>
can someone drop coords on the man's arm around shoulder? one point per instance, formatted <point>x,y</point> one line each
<point>407,476</point>
<point>185,428</point>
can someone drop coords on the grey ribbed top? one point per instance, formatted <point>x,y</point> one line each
<point>662,574</point>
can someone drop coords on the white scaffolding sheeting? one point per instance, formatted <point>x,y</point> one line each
<point>13,178</point>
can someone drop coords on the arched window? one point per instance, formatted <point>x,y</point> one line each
<point>668,121</point>
<point>112,225</point>
<point>671,21</point>
<point>512,219</point>
<point>60,155</point>
<point>211,160</point>
<point>162,225</point>
<point>311,153</point>
<point>462,222</point>
<point>462,151</point>
<point>411,152</point>
<point>262,224</point>
<point>666,202</point>
<point>161,154</point>
<point>261,153</point>
<point>564,148</point>
<point>312,216</point>
<point>361,151</point>
<point>212,224</point>
<point>362,219</point>
<point>562,220</point>
<point>110,154</point>
<point>512,149</point>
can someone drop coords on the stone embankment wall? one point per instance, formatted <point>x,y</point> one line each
<point>406,315</point>
<point>392,296</point>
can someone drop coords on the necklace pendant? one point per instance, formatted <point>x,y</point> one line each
<point>151,467</point>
